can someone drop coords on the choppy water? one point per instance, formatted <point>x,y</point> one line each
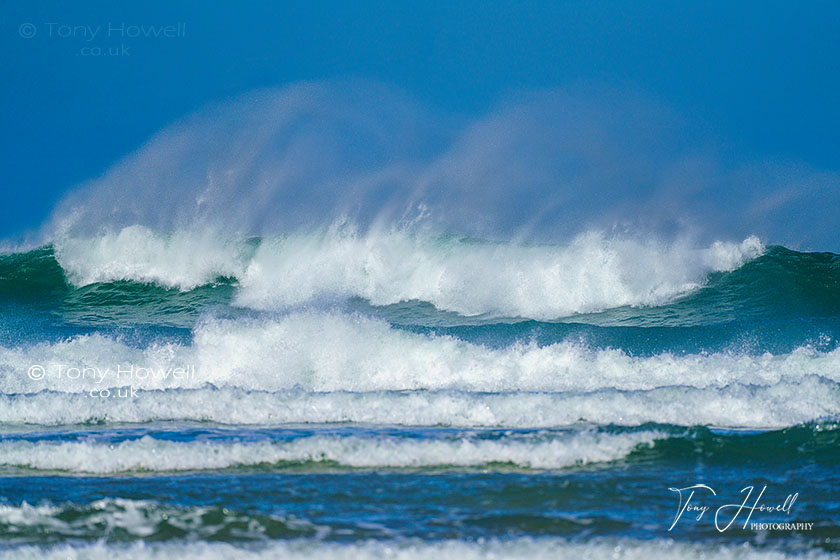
<point>411,396</point>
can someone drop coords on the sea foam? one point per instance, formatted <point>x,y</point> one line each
<point>787,403</point>
<point>332,351</point>
<point>148,454</point>
<point>593,272</point>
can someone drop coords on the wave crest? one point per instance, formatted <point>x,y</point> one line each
<point>592,273</point>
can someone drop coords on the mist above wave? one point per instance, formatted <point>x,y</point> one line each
<point>539,166</point>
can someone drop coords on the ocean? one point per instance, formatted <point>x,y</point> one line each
<point>406,395</point>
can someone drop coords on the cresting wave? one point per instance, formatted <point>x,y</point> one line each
<point>333,367</point>
<point>192,447</point>
<point>540,451</point>
<point>332,351</point>
<point>592,273</point>
<point>778,284</point>
<point>129,287</point>
<point>787,403</point>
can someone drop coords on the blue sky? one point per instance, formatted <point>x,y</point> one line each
<point>762,77</point>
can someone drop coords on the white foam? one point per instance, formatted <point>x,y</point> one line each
<point>545,451</point>
<point>784,404</point>
<point>592,273</point>
<point>519,548</point>
<point>131,516</point>
<point>336,352</point>
<point>541,282</point>
<point>180,260</point>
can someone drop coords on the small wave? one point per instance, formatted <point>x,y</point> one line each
<point>786,403</point>
<point>540,451</point>
<point>169,448</point>
<point>121,520</point>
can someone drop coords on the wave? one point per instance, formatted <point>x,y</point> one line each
<point>31,274</point>
<point>467,277</point>
<point>329,351</point>
<point>181,260</point>
<point>779,284</point>
<point>138,276</point>
<point>147,454</point>
<point>119,519</point>
<point>818,443</point>
<point>592,273</point>
<point>168,449</point>
<point>786,403</point>
<point>524,548</point>
<point>37,280</point>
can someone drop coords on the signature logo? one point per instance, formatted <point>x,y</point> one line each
<point>726,515</point>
